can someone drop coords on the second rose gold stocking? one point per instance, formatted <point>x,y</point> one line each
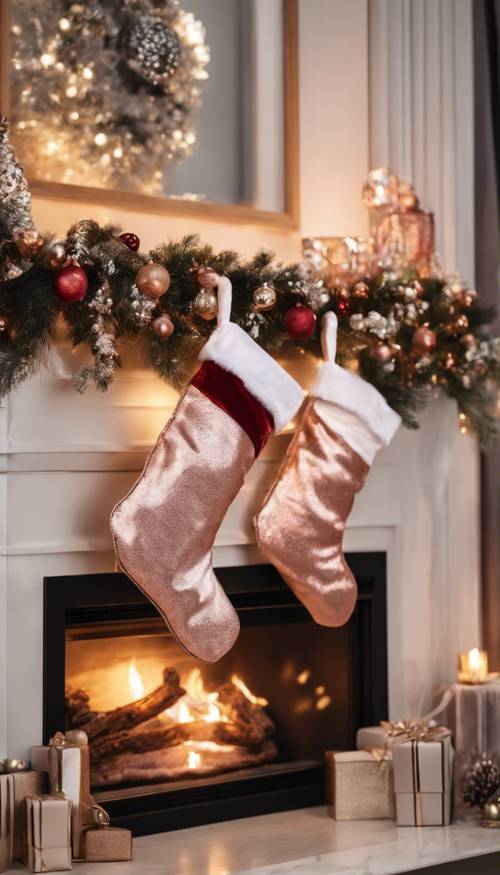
<point>300,527</point>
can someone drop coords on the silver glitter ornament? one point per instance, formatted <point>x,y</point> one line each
<point>152,49</point>
<point>205,305</point>
<point>264,298</point>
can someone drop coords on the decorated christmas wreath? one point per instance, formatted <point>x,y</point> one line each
<point>104,92</point>
<point>408,336</point>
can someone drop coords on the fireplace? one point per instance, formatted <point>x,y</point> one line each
<point>176,742</point>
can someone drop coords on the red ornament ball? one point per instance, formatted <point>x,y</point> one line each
<point>343,306</point>
<point>299,322</point>
<point>71,283</point>
<point>131,240</point>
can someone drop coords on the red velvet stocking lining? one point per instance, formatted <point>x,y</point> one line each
<point>230,394</point>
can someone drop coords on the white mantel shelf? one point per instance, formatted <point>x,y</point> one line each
<point>304,842</point>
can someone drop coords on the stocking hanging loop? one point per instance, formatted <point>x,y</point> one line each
<point>329,336</point>
<point>224,300</point>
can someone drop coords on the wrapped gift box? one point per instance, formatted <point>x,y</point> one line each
<point>48,833</point>
<point>107,844</point>
<point>14,788</point>
<point>358,787</point>
<point>68,768</point>
<point>423,781</point>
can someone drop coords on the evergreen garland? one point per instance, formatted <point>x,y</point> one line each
<point>406,335</point>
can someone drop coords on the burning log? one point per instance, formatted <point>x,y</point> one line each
<point>238,707</point>
<point>128,716</point>
<point>177,763</point>
<point>212,733</point>
<point>218,732</point>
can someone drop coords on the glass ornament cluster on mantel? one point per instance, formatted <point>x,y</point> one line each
<point>409,332</point>
<point>105,94</point>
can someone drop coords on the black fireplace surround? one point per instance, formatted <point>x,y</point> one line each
<point>261,599</point>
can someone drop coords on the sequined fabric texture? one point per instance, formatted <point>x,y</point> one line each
<point>165,528</point>
<point>300,527</point>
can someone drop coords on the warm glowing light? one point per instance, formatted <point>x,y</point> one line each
<point>194,759</point>
<point>118,152</point>
<point>64,24</point>
<point>473,667</point>
<point>135,681</point>
<point>319,690</point>
<point>304,676</point>
<point>71,91</point>
<point>47,59</point>
<point>256,700</point>
<point>323,703</point>
<point>100,139</point>
<point>87,73</point>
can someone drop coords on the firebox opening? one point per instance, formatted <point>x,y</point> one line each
<point>156,715</point>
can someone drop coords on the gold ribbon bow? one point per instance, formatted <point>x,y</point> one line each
<point>413,730</point>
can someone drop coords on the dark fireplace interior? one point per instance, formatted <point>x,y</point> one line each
<point>211,742</point>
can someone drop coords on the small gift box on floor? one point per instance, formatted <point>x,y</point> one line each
<point>15,786</point>
<point>423,769</point>
<point>359,786</point>
<point>48,833</point>
<point>106,844</point>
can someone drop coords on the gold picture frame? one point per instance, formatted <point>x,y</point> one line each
<point>227,213</point>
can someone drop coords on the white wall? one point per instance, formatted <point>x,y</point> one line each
<point>65,459</point>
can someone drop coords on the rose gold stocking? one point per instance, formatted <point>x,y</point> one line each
<point>164,529</point>
<point>300,527</point>
<point>301,524</point>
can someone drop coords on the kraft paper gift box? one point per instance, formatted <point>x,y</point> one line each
<point>14,788</point>
<point>107,844</point>
<point>67,765</point>
<point>48,833</point>
<point>423,781</point>
<point>358,787</point>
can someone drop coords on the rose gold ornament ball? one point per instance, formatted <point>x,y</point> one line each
<point>424,340</point>
<point>54,256</point>
<point>28,242</point>
<point>360,291</point>
<point>381,353</point>
<point>162,326</point>
<point>207,278</point>
<point>152,280</point>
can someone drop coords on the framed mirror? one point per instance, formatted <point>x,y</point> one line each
<point>184,107</point>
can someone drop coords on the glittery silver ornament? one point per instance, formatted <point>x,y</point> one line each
<point>264,298</point>
<point>205,305</point>
<point>152,48</point>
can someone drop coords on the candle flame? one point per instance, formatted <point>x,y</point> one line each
<point>474,658</point>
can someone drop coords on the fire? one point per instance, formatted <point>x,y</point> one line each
<point>194,760</point>
<point>255,700</point>
<point>135,681</point>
